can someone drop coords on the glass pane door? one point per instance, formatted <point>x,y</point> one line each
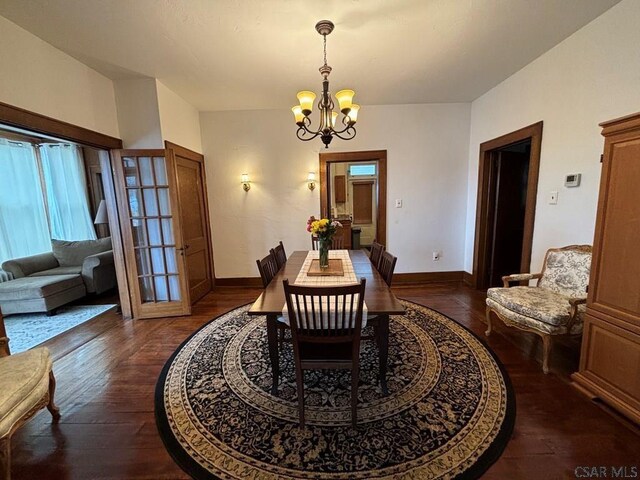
<point>146,184</point>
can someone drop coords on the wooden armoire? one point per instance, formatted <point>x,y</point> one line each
<point>610,356</point>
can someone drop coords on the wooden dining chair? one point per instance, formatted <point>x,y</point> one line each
<point>386,266</point>
<point>325,337</point>
<point>279,254</point>
<point>314,242</point>
<point>268,268</point>
<point>376,253</point>
<point>337,243</point>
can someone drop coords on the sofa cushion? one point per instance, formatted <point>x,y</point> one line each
<point>27,288</point>
<point>71,253</point>
<point>543,305</point>
<point>74,270</point>
<point>24,381</point>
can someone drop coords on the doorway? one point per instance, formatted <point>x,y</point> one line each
<point>353,189</point>
<point>507,188</point>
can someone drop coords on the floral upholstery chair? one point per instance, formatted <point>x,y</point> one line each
<point>27,385</point>
<point>554,306</point>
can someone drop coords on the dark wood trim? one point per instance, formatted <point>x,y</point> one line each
<point>122,276</point>
<point>468,279</point>
<point>379,156</point>
<point>35,122</point>
<point>426,277</point>
<point>198,157</point>
<point>239,282</point>
<point>534,132</point>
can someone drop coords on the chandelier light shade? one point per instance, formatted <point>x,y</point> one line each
<point>328,117</point>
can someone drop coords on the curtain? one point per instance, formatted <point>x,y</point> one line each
<point>23,222</point>
<point>66,192</point>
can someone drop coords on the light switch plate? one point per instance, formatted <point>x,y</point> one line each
<point>553,198</point>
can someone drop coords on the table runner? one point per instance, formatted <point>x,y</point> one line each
<point>349,278</point>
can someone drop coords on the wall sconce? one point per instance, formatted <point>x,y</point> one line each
<point>311,180</point>
<point>246,183</point>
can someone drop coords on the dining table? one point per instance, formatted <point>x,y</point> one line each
<point>380,301</point>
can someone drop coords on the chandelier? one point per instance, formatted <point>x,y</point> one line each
<point>327,128</point>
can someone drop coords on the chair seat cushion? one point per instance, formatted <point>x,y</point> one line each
<point>24,381</point>
<point>27,288</point>
<point>538,303</point>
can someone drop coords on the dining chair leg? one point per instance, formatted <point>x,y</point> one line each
<point>300,382</point>
<point>355,379</point>
<point>383,351</point>
<point>272,340</point>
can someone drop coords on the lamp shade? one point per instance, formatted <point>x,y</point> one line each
<point>101,215</point>
<point>334,115</point>
<point>353,113</point>
<point>345,99</point>
<point>306,100</point>
<point>297,112</point>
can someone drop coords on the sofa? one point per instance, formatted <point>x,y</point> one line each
<point>49,280</point>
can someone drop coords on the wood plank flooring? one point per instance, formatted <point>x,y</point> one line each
<point>107,371</point>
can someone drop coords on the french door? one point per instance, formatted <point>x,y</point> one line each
<point>145,185</point>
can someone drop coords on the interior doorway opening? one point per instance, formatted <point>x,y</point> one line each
<point>507,189</point>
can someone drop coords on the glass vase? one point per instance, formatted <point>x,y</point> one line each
<point>323,247</point>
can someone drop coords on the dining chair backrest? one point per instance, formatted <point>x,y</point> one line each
<point>325,314</point>
<point>337,242</point>
<point>376,253</point>
<point>268,269</point>
<point>314,242</point>
<point>279,254</point>
<point>387,266</point>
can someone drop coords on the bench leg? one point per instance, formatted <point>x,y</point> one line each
<point>5,458</point>
<point>51,406</point>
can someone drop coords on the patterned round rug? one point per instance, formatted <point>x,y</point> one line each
<point>449,413</point>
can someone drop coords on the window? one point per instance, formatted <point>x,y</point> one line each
<point>43,195</point>
<point>362,170</point>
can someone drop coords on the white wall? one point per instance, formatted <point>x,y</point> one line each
<point>40,78</point>
<point>427,168</point>
<point>179,120</point>
<point>138,113</point>
<point>592,76</point>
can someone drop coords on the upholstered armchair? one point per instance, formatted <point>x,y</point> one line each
<point>27,385</point>
<point>554,306</point>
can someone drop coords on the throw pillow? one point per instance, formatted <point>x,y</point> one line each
<point>73,253</point>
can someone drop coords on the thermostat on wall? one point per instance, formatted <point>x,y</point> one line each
<point>572,180</point>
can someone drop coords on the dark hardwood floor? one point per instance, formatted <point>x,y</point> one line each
<point>107,371</point>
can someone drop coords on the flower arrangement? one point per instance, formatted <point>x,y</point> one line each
<point>323,228</point>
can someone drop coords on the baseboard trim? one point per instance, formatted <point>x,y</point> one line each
<point>469,279</point>
<point>426,277</point>
<point>239,282</point>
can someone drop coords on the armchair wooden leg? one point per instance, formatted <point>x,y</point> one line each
<point>51,406</point>
<point>546,348</point>
<point>488,315</point>
<point>5,458</point>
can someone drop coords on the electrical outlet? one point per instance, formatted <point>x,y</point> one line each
<point>553,198</point>
<point>398,203</point>
<point>436,256</point>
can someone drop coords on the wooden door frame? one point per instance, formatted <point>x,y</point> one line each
<point>38,123</point>
<point>198,157</point>
<point>534,133</point>
<point>379,156</point>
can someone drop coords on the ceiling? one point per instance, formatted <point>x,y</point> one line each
<point>256,54</point>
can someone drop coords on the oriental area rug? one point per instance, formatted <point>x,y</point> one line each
<point>449,412</point>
